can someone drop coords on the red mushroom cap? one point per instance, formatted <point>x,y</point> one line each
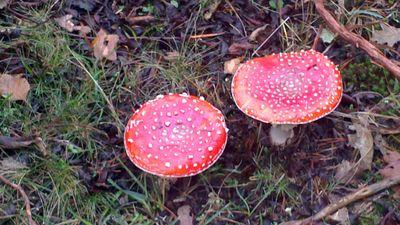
<point>288,88</point>
<point>175,135</point>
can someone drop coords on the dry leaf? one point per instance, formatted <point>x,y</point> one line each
<point>211,9</point>
<point>253,36</point>
<point>66,23</point>
<point>141,19</point>
<point>3,3</point>
<point>184,215</point>
<point>346,171</point>
<point>16,86</point>
<point>239,48</point>
<point>10,164</point>
<point>341,216</point>
<point>104,45</point>
<point>363,141</point>
<point>388,35</point>
<point>391,156</point>
<point>392,169</point>
<point>171,55</point>
<point>232,65</point>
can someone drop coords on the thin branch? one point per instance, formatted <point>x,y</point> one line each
<point>375,54</point>
<point>24,196</point>
<point>346,200</point>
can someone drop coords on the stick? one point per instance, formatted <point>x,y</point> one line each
<point>206,35</point>
<point>350,198</point>
<point>375,54</point>
<point>24,196</point>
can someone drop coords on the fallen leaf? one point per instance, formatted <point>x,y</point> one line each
<point>87,5</point>
<point>3,3</point>
<point>327,36</point>
<point>184,215</point>
<point>391,156</point>
<point>363,141</point>
<point>171,55</point>
<point>211,9</point>
<point>7,142</point>
<point>66,23</point>
<point>388,35</point>
<point>104,45</point>
<point>232,65</point>
<point>346,171</point>
<point>10,164</point>
<point>341,216</point>
<point>392,169</point>
<point>16,86</point>
<point>253,36</point>
<point>239,48</point>
<point>83,29</point>
<point>140,19</point>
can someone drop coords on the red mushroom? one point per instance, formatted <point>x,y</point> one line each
<point>288,88</point>
<point>175,135</point>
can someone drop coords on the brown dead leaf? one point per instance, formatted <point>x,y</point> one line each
<point>15,85</point>
<point>140,19</point>
<point>66,23</point>
<point>232,65</point>
<point>363,141</point>
<point>211,9</point>
<point>388,35</point>
<point>104,45</point>
<point>392,169</point>
<point>4,3</point>
<point>346,171</point>
<point>21,142</point>
<point>239,48</point>
<point>184,215</point>
<point>253,36</point>
<point>170,56</point>
<point>391,156</point>
<point>342,215</point>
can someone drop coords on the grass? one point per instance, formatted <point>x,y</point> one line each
<point>79,106</point>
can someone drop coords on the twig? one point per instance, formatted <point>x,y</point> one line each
<point>21,142</point>
<point>375,54</point>
<point>206,35</point>
<point>350,198</point>
<point>24,196</point>
<point>317,37</point>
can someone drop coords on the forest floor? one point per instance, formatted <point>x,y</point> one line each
<point>63,142</point>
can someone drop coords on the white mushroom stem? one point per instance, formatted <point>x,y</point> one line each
<point>280,134</point>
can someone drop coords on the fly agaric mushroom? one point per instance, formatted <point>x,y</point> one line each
<point>175,135</point>
<point>287,88</point>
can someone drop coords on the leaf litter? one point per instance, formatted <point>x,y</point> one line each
<point>362,141</point>
<point>14,85</point>
<point>104,45</point>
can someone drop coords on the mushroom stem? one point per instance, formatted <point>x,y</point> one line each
<point>280,134</point>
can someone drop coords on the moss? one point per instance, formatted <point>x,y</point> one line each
<point>366,76</point>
